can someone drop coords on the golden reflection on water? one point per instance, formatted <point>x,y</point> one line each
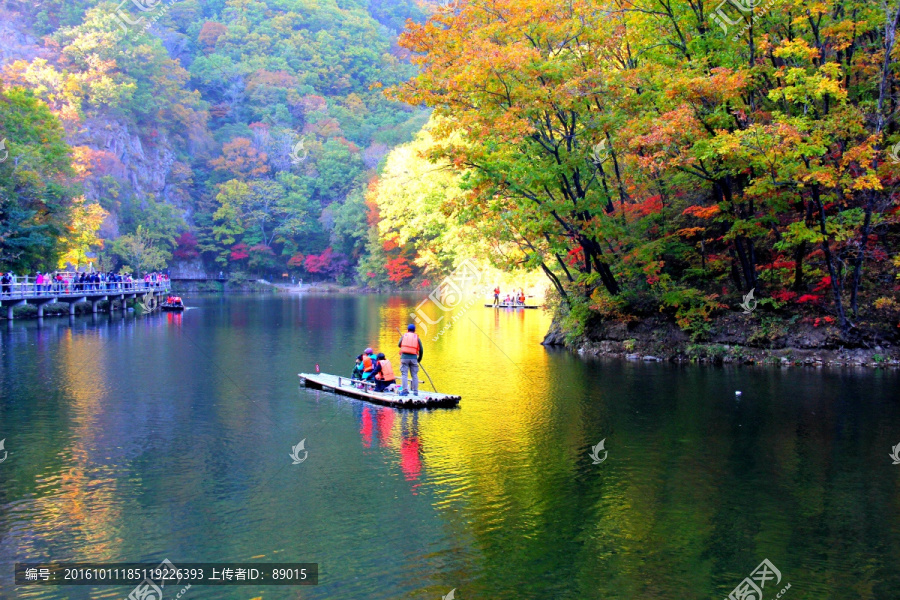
<point>72,500</point>
<point>494,360</point>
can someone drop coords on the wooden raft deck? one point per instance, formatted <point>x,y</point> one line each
<point>347,387</point>
<point>511,306</point>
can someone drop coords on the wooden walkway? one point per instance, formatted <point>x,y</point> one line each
<point>29,293</point>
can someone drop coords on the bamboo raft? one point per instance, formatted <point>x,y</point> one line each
<point>511,306</point>
<point>363,390</point>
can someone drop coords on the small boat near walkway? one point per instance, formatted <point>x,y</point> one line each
<point>172,304</point>
<point>365,391</point>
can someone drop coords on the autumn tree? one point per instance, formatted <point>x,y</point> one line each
<point>139,253</point>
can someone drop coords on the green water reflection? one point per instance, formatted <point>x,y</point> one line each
<point>167,436</point>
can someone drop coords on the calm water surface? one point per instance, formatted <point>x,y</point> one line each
<point>168,436</point>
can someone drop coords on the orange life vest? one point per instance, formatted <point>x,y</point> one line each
<point>409,344</point>
<point>387,371</point>
<point>368,365</point>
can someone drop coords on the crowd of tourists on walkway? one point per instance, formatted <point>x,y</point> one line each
<point>68,282</point>
<point>375,367</point>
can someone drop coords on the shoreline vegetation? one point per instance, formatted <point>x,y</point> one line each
<point>735,338</point>
<point>662,172</point>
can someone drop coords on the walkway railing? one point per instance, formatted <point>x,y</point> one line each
<point>31,290</point>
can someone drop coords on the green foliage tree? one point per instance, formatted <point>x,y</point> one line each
<point>139,252</point>
<point>36,192</point>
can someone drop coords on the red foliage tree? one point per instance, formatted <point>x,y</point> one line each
<point>398,270</point>
<point>239,252</point>
<point>319,263</point>
<point>186,246</point>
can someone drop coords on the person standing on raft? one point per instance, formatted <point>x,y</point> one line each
<point>410,355</point>
<point>383,373</point>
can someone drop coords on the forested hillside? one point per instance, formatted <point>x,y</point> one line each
<point>236,135</point>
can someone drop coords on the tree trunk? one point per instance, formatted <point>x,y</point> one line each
<point>890,33</point>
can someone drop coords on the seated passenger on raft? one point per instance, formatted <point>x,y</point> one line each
<point>368,360</point>
<point>383,373</point>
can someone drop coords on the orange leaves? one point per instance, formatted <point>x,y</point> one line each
<point>720,86</point>
<point>240,158</point>
<point>689,232</point>
<point>82,161</point>
<point>210,34</point>
<point>643,208</point>
<point>702,212</point>
<point>664,144</point>
<point>276,79</point>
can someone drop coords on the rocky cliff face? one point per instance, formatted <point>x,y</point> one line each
<point>16,44</point>
<point>121,163</point>
<point>189,269</point>
<point>146,169</point>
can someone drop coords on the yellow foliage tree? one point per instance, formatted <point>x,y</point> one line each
<point>80,235</point>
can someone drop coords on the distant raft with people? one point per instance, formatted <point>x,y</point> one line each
<point>365,390</point>
<point>511,306</point>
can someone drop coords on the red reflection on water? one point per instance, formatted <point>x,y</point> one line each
<point>385,424</point>
<point>396,302</point>
<point>318,313</point>
<point>382,424</point>
<point>410,461</point>
<point>365,429</point>
<point>174,318</point>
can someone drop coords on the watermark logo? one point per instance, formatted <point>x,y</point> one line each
<point>751,588</point>
<point>5,453</point>
<point>149,589</point>
<point>746,7</point>
<point>600,153</point>
<point>146,303</point>
<point>295,452</point>
<point>450,596</point>
<point>299,153</point>
<point>595,452</point>
<point>142,22</point>
<point>448,296</point>
<point>749,304</point>
<point>894,154</point>
<point>4,153</point>
<point>895,455</point>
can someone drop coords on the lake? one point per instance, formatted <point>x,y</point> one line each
<point>140,438</point>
